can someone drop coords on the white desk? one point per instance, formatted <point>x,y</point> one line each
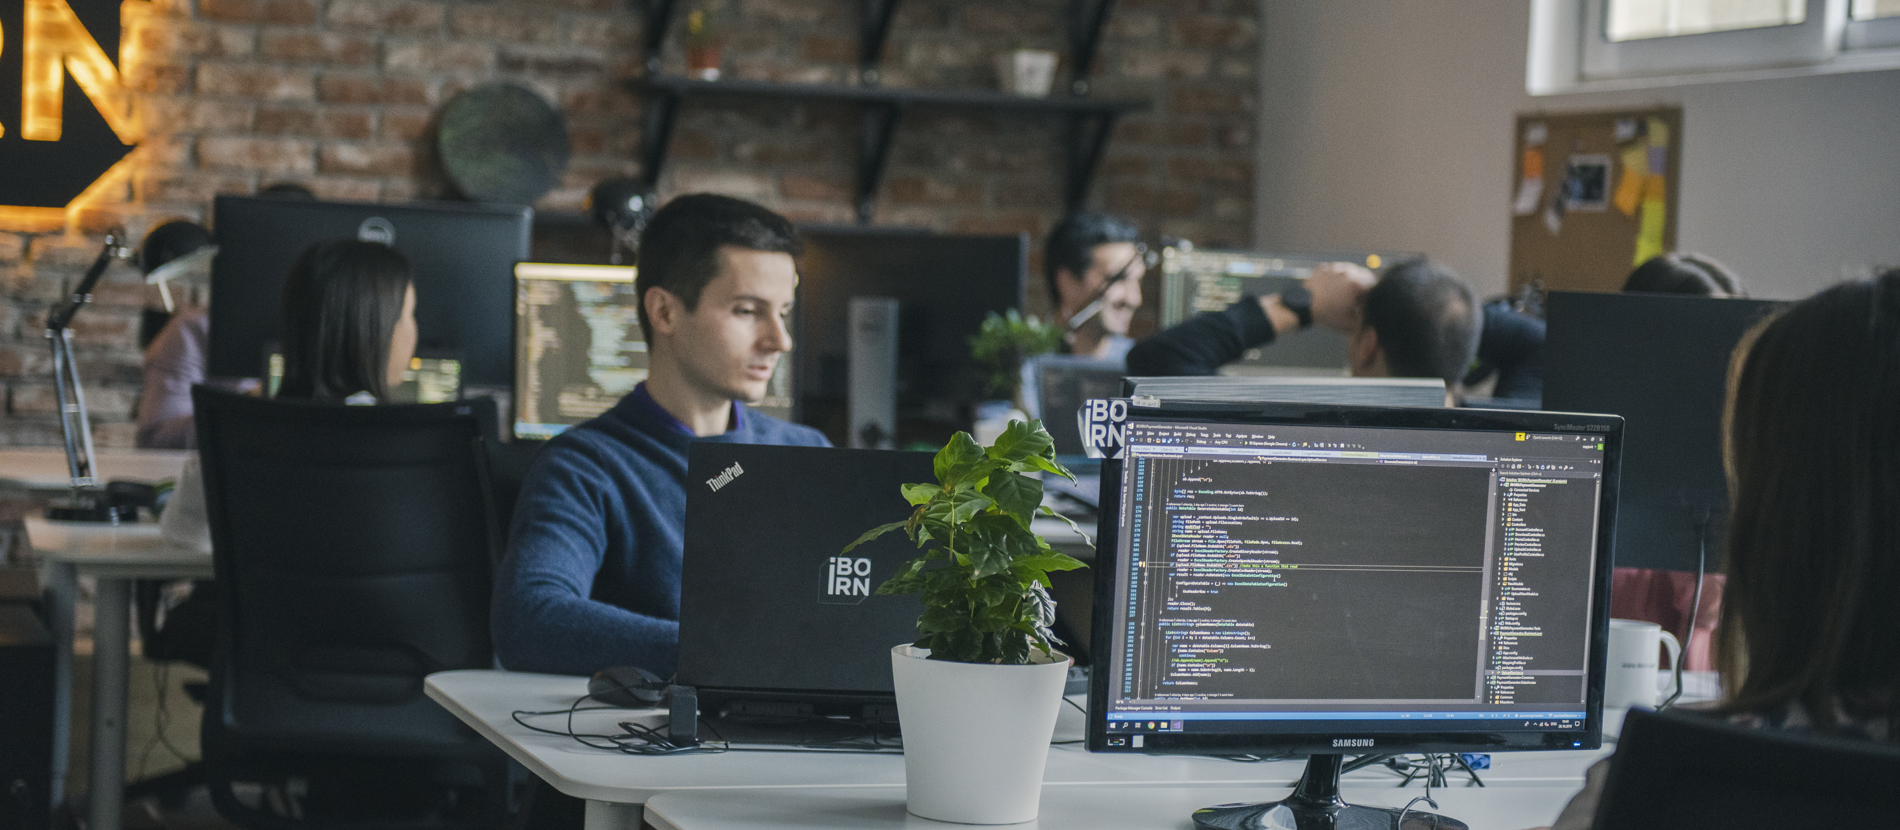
<point>114,555</point>
<point>615,786</point>
<point>44,468</point>
<point>1082,808</point>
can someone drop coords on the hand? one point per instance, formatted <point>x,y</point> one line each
<point>1339,292</point>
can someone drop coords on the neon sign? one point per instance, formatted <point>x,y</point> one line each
<point>69,142</point>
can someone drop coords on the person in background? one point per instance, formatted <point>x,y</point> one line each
<point>1093,257</point>
<point>349,323</point>
<point>1812,447</point>
<point>1512,348</point>
<point>591,576</point>
<point>1419,320</point>
<point>1684,274</point>
<point>175,358</point>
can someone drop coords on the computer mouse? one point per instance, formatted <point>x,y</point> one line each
<point>629,687</point>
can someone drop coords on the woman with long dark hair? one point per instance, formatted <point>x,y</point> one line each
<point>349,322</point>
<point>1810,635</point>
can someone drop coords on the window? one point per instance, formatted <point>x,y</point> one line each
<point>1644,19</point>
<point>1585,45</point>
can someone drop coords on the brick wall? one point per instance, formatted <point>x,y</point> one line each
<point>339,95</point>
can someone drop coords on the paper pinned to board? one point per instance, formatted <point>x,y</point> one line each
<point>1530,188</point>
<point>1536,133</point>
<point>1649,234</point>
<point>1629,189</point>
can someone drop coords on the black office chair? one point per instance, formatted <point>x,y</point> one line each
<point>1688,771</point>
<point>353,549</point>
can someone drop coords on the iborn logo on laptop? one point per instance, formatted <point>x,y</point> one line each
<point>847,580</point>
<point>725,477</point>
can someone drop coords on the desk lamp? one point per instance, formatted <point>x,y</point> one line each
<point>87,502</point>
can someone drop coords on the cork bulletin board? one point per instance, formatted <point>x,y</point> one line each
<point>1592,196</point>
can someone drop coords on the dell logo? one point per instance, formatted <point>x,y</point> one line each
<point>1352,743</point>
<point>376,229</point>
<point>726,477</point>
<point>847,576</point>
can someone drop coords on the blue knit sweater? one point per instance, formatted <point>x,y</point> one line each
<point>591,578</point>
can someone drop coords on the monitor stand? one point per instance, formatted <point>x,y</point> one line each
<point>1315,805</point>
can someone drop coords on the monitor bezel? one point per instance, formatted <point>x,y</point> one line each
<point>1272,744</point>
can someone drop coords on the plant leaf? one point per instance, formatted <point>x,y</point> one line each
<point>1021,441</point>
<point>958,458</point>
<point>918,494</point>
<point>1015,494</point>
<point>873,533</point>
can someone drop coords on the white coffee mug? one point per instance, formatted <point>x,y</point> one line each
<point>1630,671</point>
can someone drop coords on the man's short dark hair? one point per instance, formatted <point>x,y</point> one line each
<point>1427,321</point>
<point>1072,245</point>
<point>679,250</point>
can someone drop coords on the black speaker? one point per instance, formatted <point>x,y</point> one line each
<point>26,720</point>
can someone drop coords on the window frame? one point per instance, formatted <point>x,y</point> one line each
<point>1878,33</point>
<point>1811,41</point>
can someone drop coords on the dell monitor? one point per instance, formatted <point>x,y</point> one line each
<point>462,256</point>
<point>944,285</point>
<point>1324,580</point>
<point>1660,361</point>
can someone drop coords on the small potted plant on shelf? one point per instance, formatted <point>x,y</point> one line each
<point>703,39</point>
<point>978,692</point>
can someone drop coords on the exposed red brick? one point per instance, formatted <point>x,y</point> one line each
<point>236,11</point>
<point>265,155</point>
<point>504,23</point>
<point>1211,170</point>
<point>403,126</point>
<point>799,186</point>
<point>366,159</point>
<point>348,124</point>
<point>916,189</point>
<point>271,83</point>
<point>438,56</point>
<point>1143,200</point>
<point>318,47</point>
<point>159,78</point>
<point>196,115</point>
<point>791,11</point>
<point>1213,31</point>
<point>828,49</point>
<point>352,89</point>
<point>388,15</point>
<point>288,12</point>
<point>1210,100</point>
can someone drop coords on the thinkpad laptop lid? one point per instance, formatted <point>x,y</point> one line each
<point>768,608</point>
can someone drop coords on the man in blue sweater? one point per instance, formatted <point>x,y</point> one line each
<point>592,574</point>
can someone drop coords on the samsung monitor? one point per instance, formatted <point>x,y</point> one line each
<point>462,256</point>
<point>1194,280</point>
<point>1323,580</point>
<point>944,284</point>
<point>1660,361</point>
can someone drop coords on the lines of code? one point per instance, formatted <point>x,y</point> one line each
<point>1544,552</point>
<point>1300,581</point>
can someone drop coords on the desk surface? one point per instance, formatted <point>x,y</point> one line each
<point>485,700</point>
<point>45,467</point>
<point>1094,808</point>
<point>127,551</point>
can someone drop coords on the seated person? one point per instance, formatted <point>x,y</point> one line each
<point>174,362</point>
<point>1418,321</point>
<point>1085,252</point>
<point>1684,274</point>
<point>349,323</point>
<point>1813,560</point>
<point>591,577</point>
<point>1511,347</point>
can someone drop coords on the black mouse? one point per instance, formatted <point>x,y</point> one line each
<point>629,687</point>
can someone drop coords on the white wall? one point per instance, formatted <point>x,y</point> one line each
<point>1387,124</point>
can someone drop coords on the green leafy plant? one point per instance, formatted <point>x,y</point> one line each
<point>984,574</point>
<point>1002,344</point>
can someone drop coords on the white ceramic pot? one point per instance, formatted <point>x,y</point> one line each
<point>976,735</point>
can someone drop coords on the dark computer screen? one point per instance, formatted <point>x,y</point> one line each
<point>1287,586</point>
<point>462,256</point>
<point>1661,362</point>
<point>945,284</point>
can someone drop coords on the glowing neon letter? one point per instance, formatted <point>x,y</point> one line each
<point>57,43</point>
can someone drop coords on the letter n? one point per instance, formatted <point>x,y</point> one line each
<point>57,43</point>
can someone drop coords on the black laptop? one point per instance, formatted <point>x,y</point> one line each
<point>772,618</point>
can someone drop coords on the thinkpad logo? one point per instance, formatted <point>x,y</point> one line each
<point>726,477</point>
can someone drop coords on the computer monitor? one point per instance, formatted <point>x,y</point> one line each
<point>1320,580</point>
<point>433,376</point>
<point>1194,280</point>
<point>462,256</point>
<point>945,284</point>
<point>1054,387</point>
<point>1290,389</point>
<point>1660,361</point>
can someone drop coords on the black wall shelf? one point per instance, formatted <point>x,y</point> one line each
<point>1089,121</point>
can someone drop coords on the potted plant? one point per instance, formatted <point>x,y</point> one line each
<point>978,692</point>
<point>1000,347</point>
<point>702,44</point>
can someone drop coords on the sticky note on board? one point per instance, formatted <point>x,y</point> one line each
<point>1655,188</point>
<point>1529,193</point>
<point>1629,189</point>
<point>1658,132</point>
<point>1536,133</point>
<point>1625,129</point>
<point>1649,233</point>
